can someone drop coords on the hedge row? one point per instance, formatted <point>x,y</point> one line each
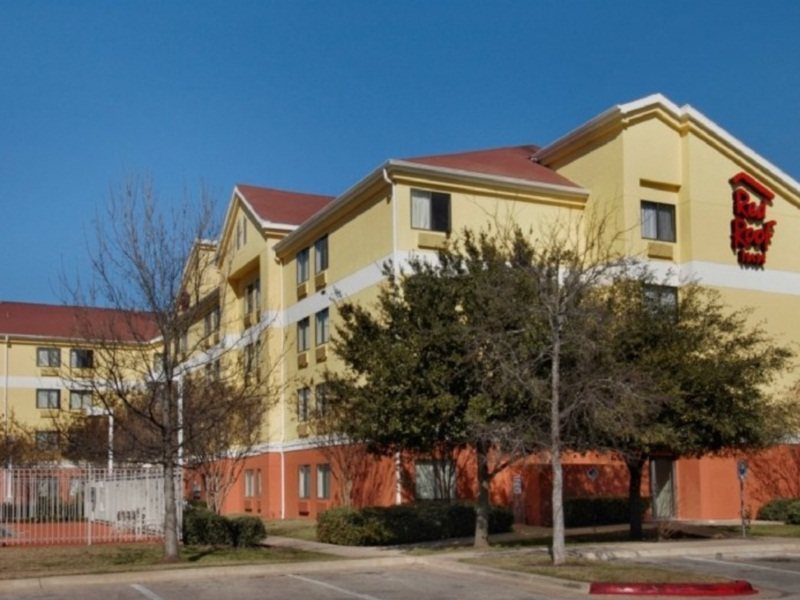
<point>591,512</point>
<point>404,524</point>
<point>206,528</point>
<point>781,509</point>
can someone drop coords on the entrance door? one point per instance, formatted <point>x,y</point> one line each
<point>663,489</point>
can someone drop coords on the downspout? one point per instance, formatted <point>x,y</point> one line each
<point>398,465</point>
<point>7,423</point>
<point>283,393</point>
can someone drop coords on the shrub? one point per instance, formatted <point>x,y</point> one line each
<point>793,514</point>
<point>247,532</point>
<point>407,523</point>
<point>777,509</point>
<point>207,528</point>
<point>590,512</point>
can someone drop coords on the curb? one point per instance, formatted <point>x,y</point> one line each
<point>733,588</point>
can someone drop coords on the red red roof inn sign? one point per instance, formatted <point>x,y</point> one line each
<point>751,233</point>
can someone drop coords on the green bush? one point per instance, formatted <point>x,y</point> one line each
<point>404,524</point>
<point>777,509</point>
<point>206,528</point>
<point>793,514</point>
<point>591,512</point>
<point>247,532</point>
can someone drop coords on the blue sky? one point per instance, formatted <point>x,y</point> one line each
<point>310,96</point>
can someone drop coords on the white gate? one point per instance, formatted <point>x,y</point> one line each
<point>70,505</point>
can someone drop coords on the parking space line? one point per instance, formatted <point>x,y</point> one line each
<point>334,587</point>
<point>145,592</point>
<point>742,565</point>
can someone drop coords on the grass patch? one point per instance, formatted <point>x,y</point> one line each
<point>759,530</point>
<point>588,571</point>
<point>20,562</point>
<point>301,529</point>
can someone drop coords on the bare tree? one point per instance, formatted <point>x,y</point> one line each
<point>152,361</point>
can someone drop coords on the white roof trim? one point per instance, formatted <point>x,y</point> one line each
<point>684,114</point>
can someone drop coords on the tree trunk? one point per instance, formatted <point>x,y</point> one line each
<point>482,510</point>
<point>170,514</point>
<point>635,466</point>
<point>558,549</point>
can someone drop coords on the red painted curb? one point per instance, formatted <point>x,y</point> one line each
<point>733,588</point>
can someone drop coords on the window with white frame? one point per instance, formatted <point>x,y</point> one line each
<point>80,399</point>
<point>47,441</point>
<point>48,357</point>
<point>252,297</point>
<point>304,481</point>
<point>435,479</point>
<point>303,326</point>
<point>321,397</point>
<point>211,321</point>
<point>302,265</point>
<point>323,482</point>
<point>321,254</point>
<point>321,329</point>
<point>252,483</point>
<point>430,210</point>
<point>662,297</point>
<point>48,399</point>
<point>81,359</point>
<point>658,221</point>
<point>303,404</point>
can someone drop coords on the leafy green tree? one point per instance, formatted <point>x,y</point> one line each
<point>702,370</point>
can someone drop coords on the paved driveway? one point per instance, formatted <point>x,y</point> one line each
<point>775,573</point>
<point>414,582</point>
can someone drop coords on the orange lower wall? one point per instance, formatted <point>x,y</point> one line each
<point>706,488</point>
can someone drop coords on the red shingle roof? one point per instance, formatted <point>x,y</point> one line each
<point>282,207</point>
<point>76,322</point>
<point>513,161</point>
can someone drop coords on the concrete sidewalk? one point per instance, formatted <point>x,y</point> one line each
<point>462,547</point>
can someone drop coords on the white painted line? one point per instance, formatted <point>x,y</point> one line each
<point>334,587</point>
<point>145,592</point>
<point>745,565</point>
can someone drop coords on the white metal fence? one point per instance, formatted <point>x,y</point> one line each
<point>68,505</point>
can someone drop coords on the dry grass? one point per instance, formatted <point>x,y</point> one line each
<point>589,571</point>
<point>44,561</point>
<point>301,529</point>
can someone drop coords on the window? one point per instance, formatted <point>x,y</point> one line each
<point>435,479</point>
<point>662,297</point>
<point>252,297</point>
<point>321,396</point>
<point>323,482</point>
<point>211,322</point>
<point>252,358</point>
<point>658,221</point>
<point>303,397</point>
<point>321,254</point>
<point>322,330</point>
<point>81,359</point>
<point>303,325</point>
<point>241,232</point>
<point>430,210</point>
<point>48,399</point>
<point>252,483</point>
<point>302,266</point>
<point>48,357</point>
<point>304,481</point>
<point>80,399</point>
<point>48,441</point>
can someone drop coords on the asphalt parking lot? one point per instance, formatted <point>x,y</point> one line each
<point>780,574</point>
<point>401,583</point>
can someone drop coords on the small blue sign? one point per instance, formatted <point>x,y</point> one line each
<point>741,468</point>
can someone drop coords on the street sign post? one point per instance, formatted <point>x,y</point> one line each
<point>741,471</point>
